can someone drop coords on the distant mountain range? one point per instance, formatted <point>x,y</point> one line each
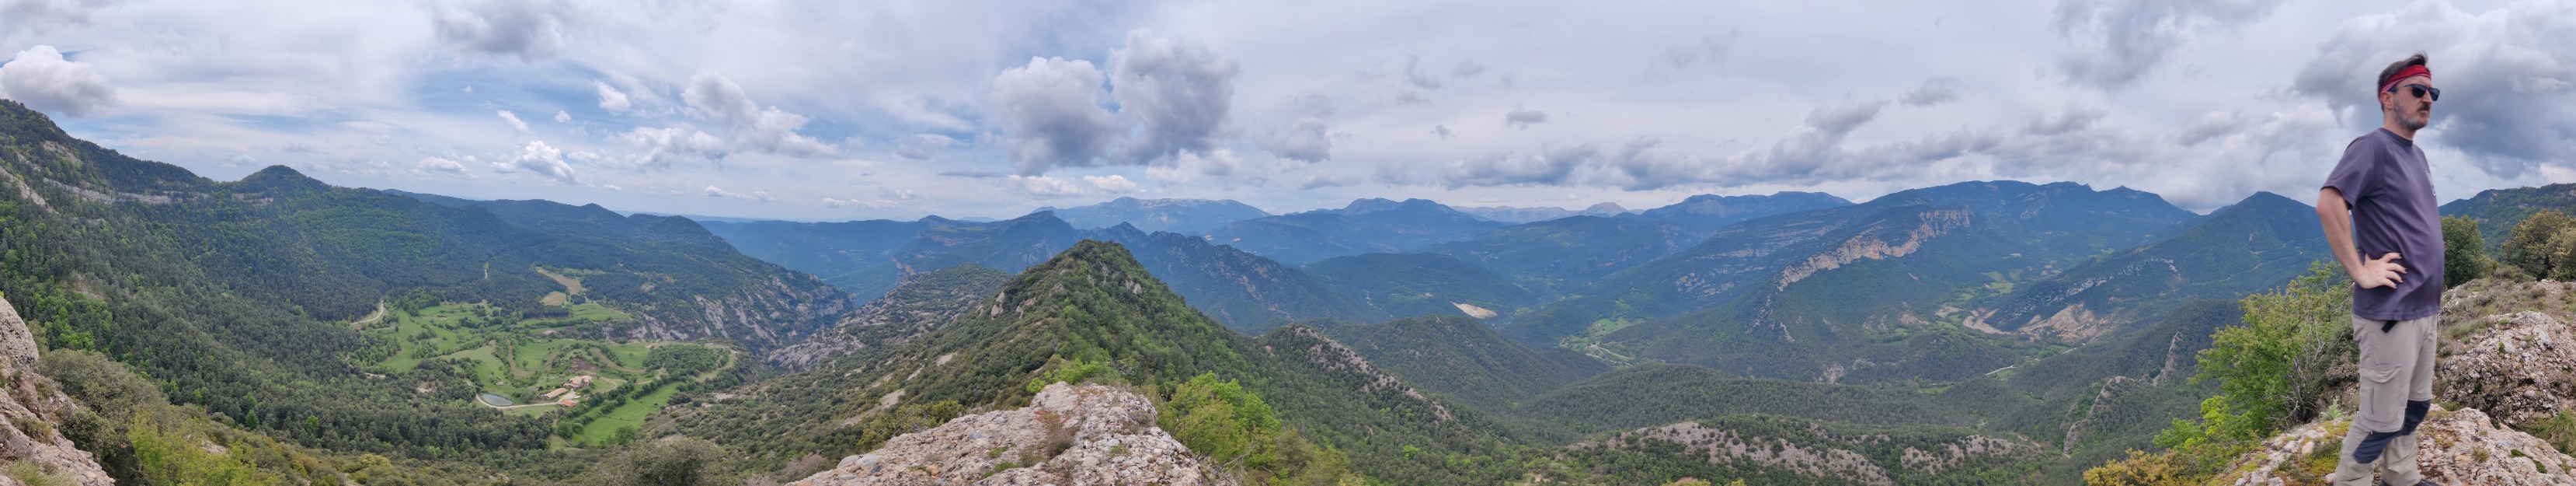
<point>1365,226</point>
<point>868,258</point>
<point>1184,216</point>
<point>1510,214</point>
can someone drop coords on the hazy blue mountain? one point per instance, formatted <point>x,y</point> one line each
<point>1007,245</point>
<point>1510,214</point>
<point>1856,292</point>
<point>1708,212</point>
<point>2255,244</point>
<point>2497,210</point>
<point>1418,284</point>
<point>1365,226</point>
<point>1568,252</point>
<point>827,249</point>
<point>1187,216</point>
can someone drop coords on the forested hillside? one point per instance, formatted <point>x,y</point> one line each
<point>1093,311</point>
<point>1462,358</point>
<point>275,303</point>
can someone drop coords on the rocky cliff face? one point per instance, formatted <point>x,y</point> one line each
<point>34,410</point>
<point>1068,435</point>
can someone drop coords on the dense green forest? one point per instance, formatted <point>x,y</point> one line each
<point>272,306</point>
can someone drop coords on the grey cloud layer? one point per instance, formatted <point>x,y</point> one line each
<point>2508,78</point>
<point>2124,40</point>
<point>815,102</point>
<point>528,29</point>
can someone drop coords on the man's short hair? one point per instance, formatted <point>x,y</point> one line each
<point>2384,74</point>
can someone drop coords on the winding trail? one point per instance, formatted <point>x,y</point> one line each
<point>371,318</point>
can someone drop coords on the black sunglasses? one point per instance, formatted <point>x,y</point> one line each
<point>2420,90</point>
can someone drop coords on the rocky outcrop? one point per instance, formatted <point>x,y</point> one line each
<point>2462,448</point>
<point>1068,435</point>
<point>2517,368</point>
<point>34,410</point>
<point>1822,460</point>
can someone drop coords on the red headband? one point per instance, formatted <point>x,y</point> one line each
<point>2408,72</point>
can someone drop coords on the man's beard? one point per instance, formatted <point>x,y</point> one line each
<point>2412,121</point>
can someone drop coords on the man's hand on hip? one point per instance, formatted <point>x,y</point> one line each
<point>2382,272</point>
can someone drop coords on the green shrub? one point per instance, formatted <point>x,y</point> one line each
<point>2273,369</point>
<point>1077,370</point>
<point>2529,247</point>
<point>167,454</point>
<point>2464,255</point>
<point>31,474</point>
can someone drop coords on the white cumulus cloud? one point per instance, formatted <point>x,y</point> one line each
<point>1051,107</point>
<point>541,159</point>
<point>611,99</point>
<point>44,81</point>
<point>513,118</point>
<point>753,127</point>
<point>1176,94</point>
<point>753,196</point>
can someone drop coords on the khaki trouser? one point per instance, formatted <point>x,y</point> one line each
<point>2396,368</point>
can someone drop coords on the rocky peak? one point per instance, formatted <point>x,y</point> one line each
<point>1069,434</point>
<point>34,409</point>
<point>2457,448</point>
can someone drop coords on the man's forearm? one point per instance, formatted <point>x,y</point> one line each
<point>2337,219</point>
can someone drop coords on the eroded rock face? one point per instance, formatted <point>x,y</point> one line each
<point>34,409</point>
<point>2462,448</point>
<point>1068,435</point>
<point>2517,369</point>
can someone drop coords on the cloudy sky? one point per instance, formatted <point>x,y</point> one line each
<point>897,109</point>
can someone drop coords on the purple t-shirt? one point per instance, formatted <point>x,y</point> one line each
<point>2385,181</point>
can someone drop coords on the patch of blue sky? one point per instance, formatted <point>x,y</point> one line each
<point>301,123</point>
<point>534,93</point>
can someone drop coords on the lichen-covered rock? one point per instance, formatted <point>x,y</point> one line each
<point>2520,368</point>
<point>1068,435</point>
<point>2462,448</point>
<point>31,417</point>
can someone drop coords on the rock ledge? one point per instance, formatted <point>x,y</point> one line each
<point>1069,435</point>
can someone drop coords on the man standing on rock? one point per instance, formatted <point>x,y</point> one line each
<point>2379,201</point>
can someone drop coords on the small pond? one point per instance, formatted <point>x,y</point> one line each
<point>497,400</point>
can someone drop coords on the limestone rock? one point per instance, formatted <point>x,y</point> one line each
<point>35,407</point>
<point>1830,461</point>
<point>2518,368</point>
<point>2462,448</point>
<point>1068,435</point>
